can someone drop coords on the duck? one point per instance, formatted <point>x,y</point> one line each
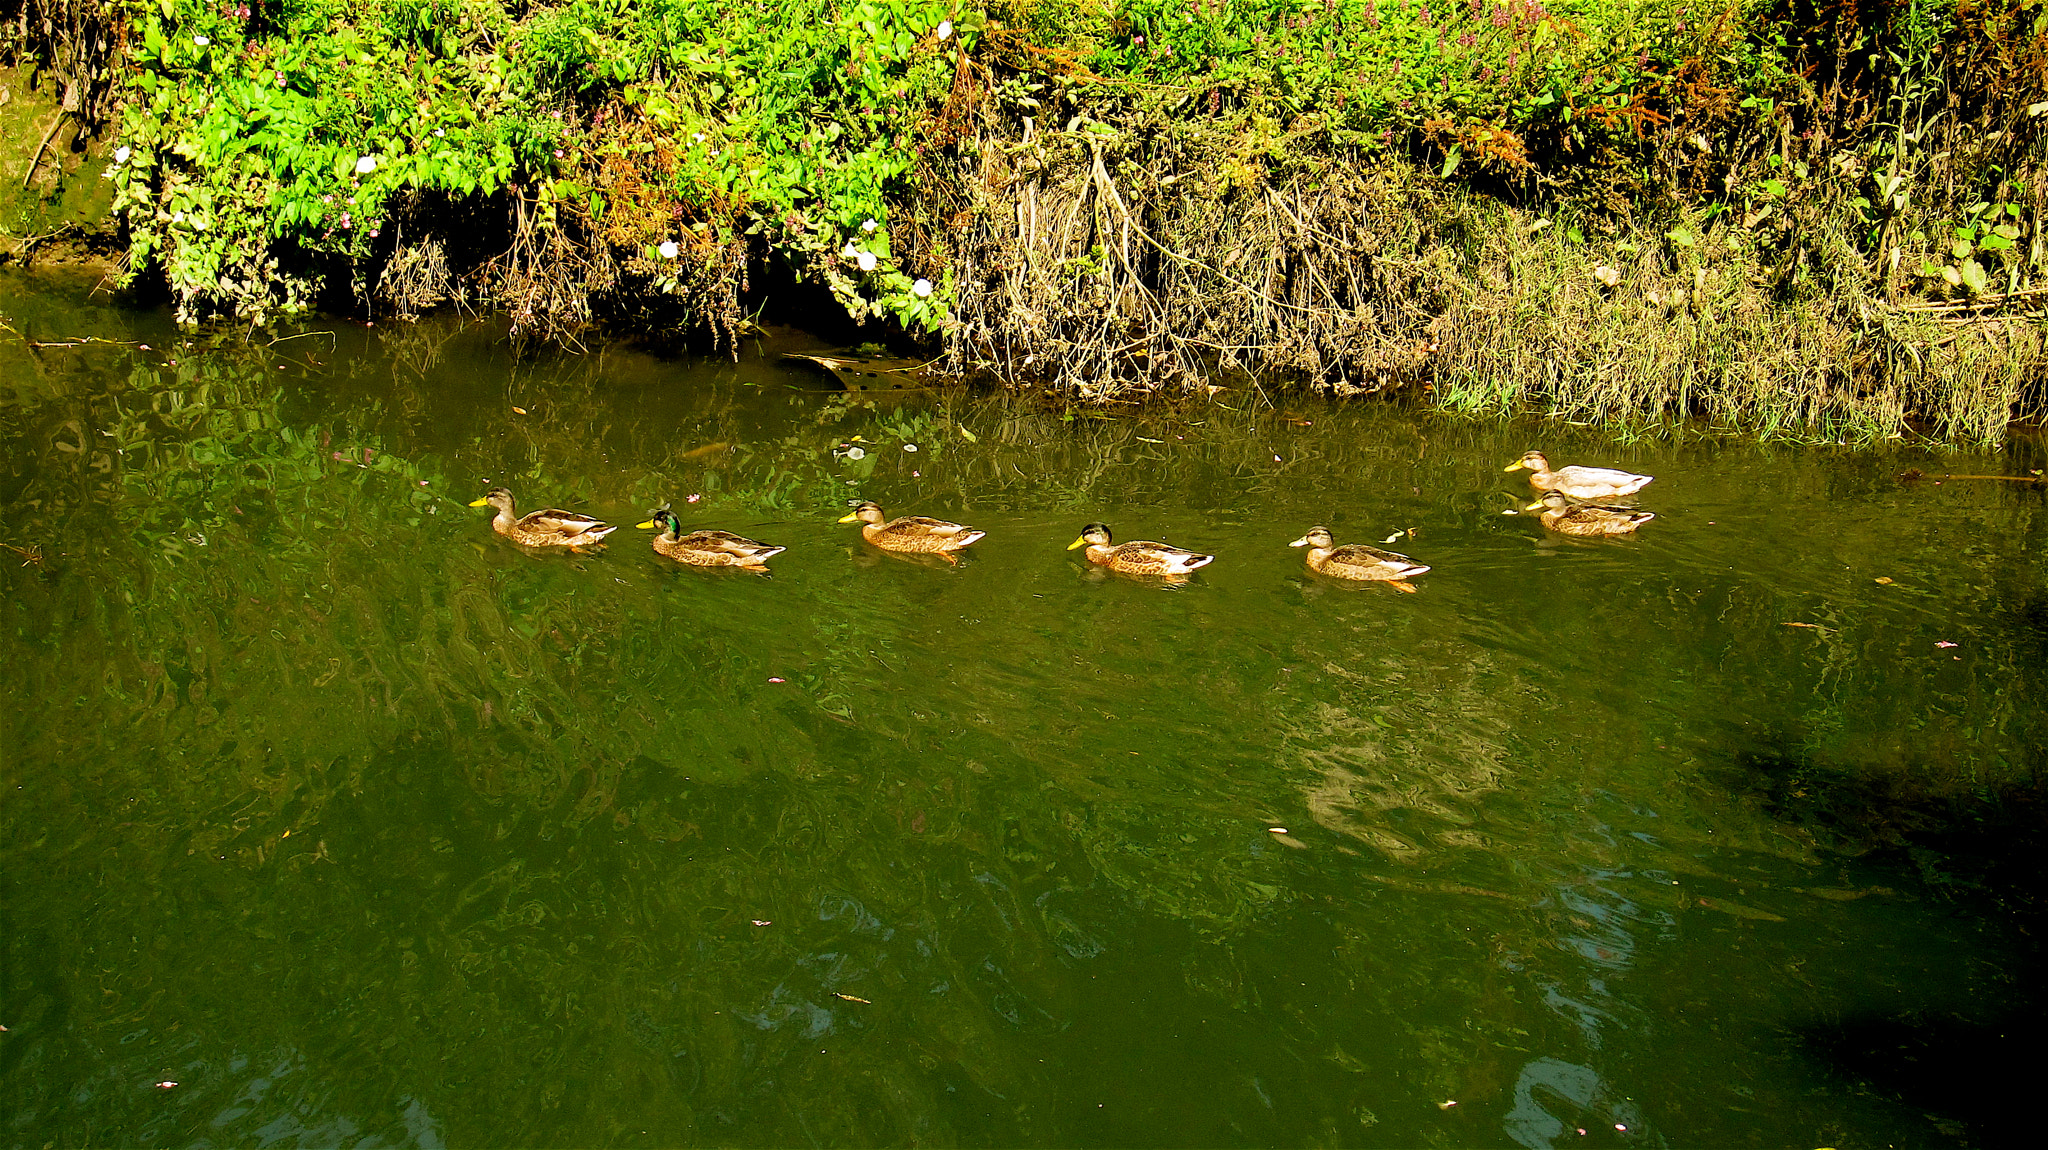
<point>1567,518</point>
<point>1579,482</point>
<point>548,527</point>
<point>1139,556</point>
<point>911,532</point>
<point>1358,561</point>
<point>706,548</point>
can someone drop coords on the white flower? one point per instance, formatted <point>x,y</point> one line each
<point>869,226</point>
<point>201,41</point>
<point>945,29</point>
<point>439,132</point>
<point>177,217</point>
<point>365,165</point>
<point>866,261</point>
<point>856,453</point>
<point>121,154</point>
<point>922,289</point>
<point>667,249</point>
<point>849,252</point>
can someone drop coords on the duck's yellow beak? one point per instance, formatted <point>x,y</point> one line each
<point>1517,465</point>
<point>1536,506</point>
<point>1301,542</point>
<point>647,526</point>
<point>479,502</point>
<point>849,517</point>
<point>1081,542</point>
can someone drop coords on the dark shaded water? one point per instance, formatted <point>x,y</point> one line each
<point>364,827</point>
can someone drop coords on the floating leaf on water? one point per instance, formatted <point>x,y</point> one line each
<point>1149,439</point>
<point>1885,579</point>
<point>852,998</point>
<point>519,411</point>
<point>1944,643</point>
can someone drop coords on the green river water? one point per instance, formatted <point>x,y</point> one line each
<point>364,827</point>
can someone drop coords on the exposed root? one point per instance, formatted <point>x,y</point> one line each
<point>1100,261</point>
<point>416,279</point>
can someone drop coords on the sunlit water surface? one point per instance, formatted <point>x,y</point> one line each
<point>362,826</point>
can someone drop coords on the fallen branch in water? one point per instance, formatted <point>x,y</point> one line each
<point>1915,475</point>
<point>31,556</point>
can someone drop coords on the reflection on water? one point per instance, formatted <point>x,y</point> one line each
<point>362,825</point>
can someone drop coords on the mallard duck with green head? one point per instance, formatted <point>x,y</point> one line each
<point>911,532</point>
<point>1579,482</point>
<point>548,527</point>
<point>1139,556</point>
<point>1567,518</point>
<point>1358,561</point>
<point>706,548</point>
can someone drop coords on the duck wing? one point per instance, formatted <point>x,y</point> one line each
<point>936,530</point>
<point>1598,481</point>
<point>567,524</point>
<point>1397,565</point>
<point>727,543</point>
<point>1146,556</point>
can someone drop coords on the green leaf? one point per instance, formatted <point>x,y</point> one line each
<point>1973,276</point>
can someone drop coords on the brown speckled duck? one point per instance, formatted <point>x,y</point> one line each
<point>1567,518</point>
<point>911,532</point>
<point>1357,560</point>
<point>1138,557</point>
<point>548,527</point>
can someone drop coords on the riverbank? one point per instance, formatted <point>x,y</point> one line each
<point>1815,226</point>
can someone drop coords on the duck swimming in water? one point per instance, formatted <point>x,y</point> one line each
<point>911,532</point>
<point>548,527</point>
<point>1579,482</point>
<point>1138,557</point>
<point>1357,560</point>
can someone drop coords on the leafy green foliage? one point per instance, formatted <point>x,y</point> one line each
<point>266,136</point>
